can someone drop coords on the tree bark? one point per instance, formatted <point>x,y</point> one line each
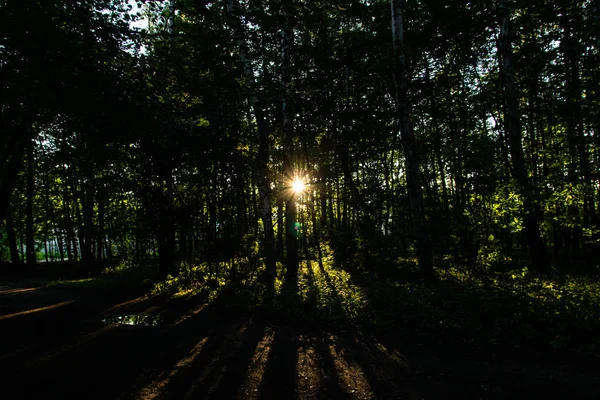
<point>415,191</point>
<point>88,224</point>
<point>59,241</point>
<point>280,229</point>
<point>100,235</point>
<point>531,219</point>
<point>29,231</point>
<point>166,227</point>
<point>12,239</point>
<point>67,215</point>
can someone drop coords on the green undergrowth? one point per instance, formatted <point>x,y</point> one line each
<point>512,309</point>
<point>239,280</point>
<point>124,276</point>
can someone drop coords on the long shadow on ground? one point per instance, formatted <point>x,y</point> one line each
<point>215,351</point>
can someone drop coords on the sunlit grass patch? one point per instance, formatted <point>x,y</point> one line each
<point>330,293</point>
<point>191,280</point>
<point>240,277</point>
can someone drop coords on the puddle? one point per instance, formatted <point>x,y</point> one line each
<point>140,319</point>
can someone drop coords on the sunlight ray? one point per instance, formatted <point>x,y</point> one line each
<point>35,310</point>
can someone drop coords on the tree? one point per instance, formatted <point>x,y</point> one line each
<point>409,144</point>
<point>262,157</point>
<point>539,255</point>
<point>288,153</point>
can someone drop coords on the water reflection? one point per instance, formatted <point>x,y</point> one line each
<point>139,319</point>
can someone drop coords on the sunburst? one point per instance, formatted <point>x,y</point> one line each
<point>298,186</point>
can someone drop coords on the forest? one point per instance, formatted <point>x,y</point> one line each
<point>297,176</point>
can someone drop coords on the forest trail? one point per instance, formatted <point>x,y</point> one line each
<point>56,345</point>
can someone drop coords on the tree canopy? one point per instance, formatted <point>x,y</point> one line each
<point>426,133</point>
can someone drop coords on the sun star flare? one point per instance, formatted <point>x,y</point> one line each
<point>298,186</point>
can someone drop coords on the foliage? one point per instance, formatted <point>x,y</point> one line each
<point>170,150</point>
<point>515,310</point>
<point>126,276</point>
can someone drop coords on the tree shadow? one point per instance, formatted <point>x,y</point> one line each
<point>123,357</point>
<point>203,354</point>
<point>330,386</point>
<point>387,372</point>
<point>220,369</point>
<point>165,361</point>
<point>352,365</point>
<point>280,377</point>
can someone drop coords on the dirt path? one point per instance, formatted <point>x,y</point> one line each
<point>56,345</point>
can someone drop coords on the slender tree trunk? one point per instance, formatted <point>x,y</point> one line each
<point>22,248</point>
<point>537,248</point>
<point>415,191</point>
<point>79,234</point>
<point>12,239</point>
<point>596,26</point>
<point>59,242</point>
<point>568,45</point>
<point>29,237</point>
<point>166,229</point>
<point>280,228</point>
<point>101,234</point>
<point>338,204</point>
<point>52,249</point>
<point>322,185</point>
<point>291,243</point>
<point>438,149</point>
<point>110,238</point>
<point>211,236</point>
<point>46,241</point>
<point>67,216</point>
<point>88,224</point>
<point>49,216</point>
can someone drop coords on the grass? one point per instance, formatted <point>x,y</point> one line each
<point>125,276</point>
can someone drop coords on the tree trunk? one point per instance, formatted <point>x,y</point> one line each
<point>78,236</point>
<point>11,164</point>
<point>100,235</point>
<point>88,224</point>
<point>67,216</point>
<point>537,248</point>
<point>596,25</point>
<point>29,231</point>
<point>413,179</point>
<point>291,243</point>
<point>12,239</point>
<point>49,215</point>
<point>166,227</point>
<point>280,228</point>
<point>59,242</point>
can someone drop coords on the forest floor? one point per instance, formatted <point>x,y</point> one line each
<point>57,343</point>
